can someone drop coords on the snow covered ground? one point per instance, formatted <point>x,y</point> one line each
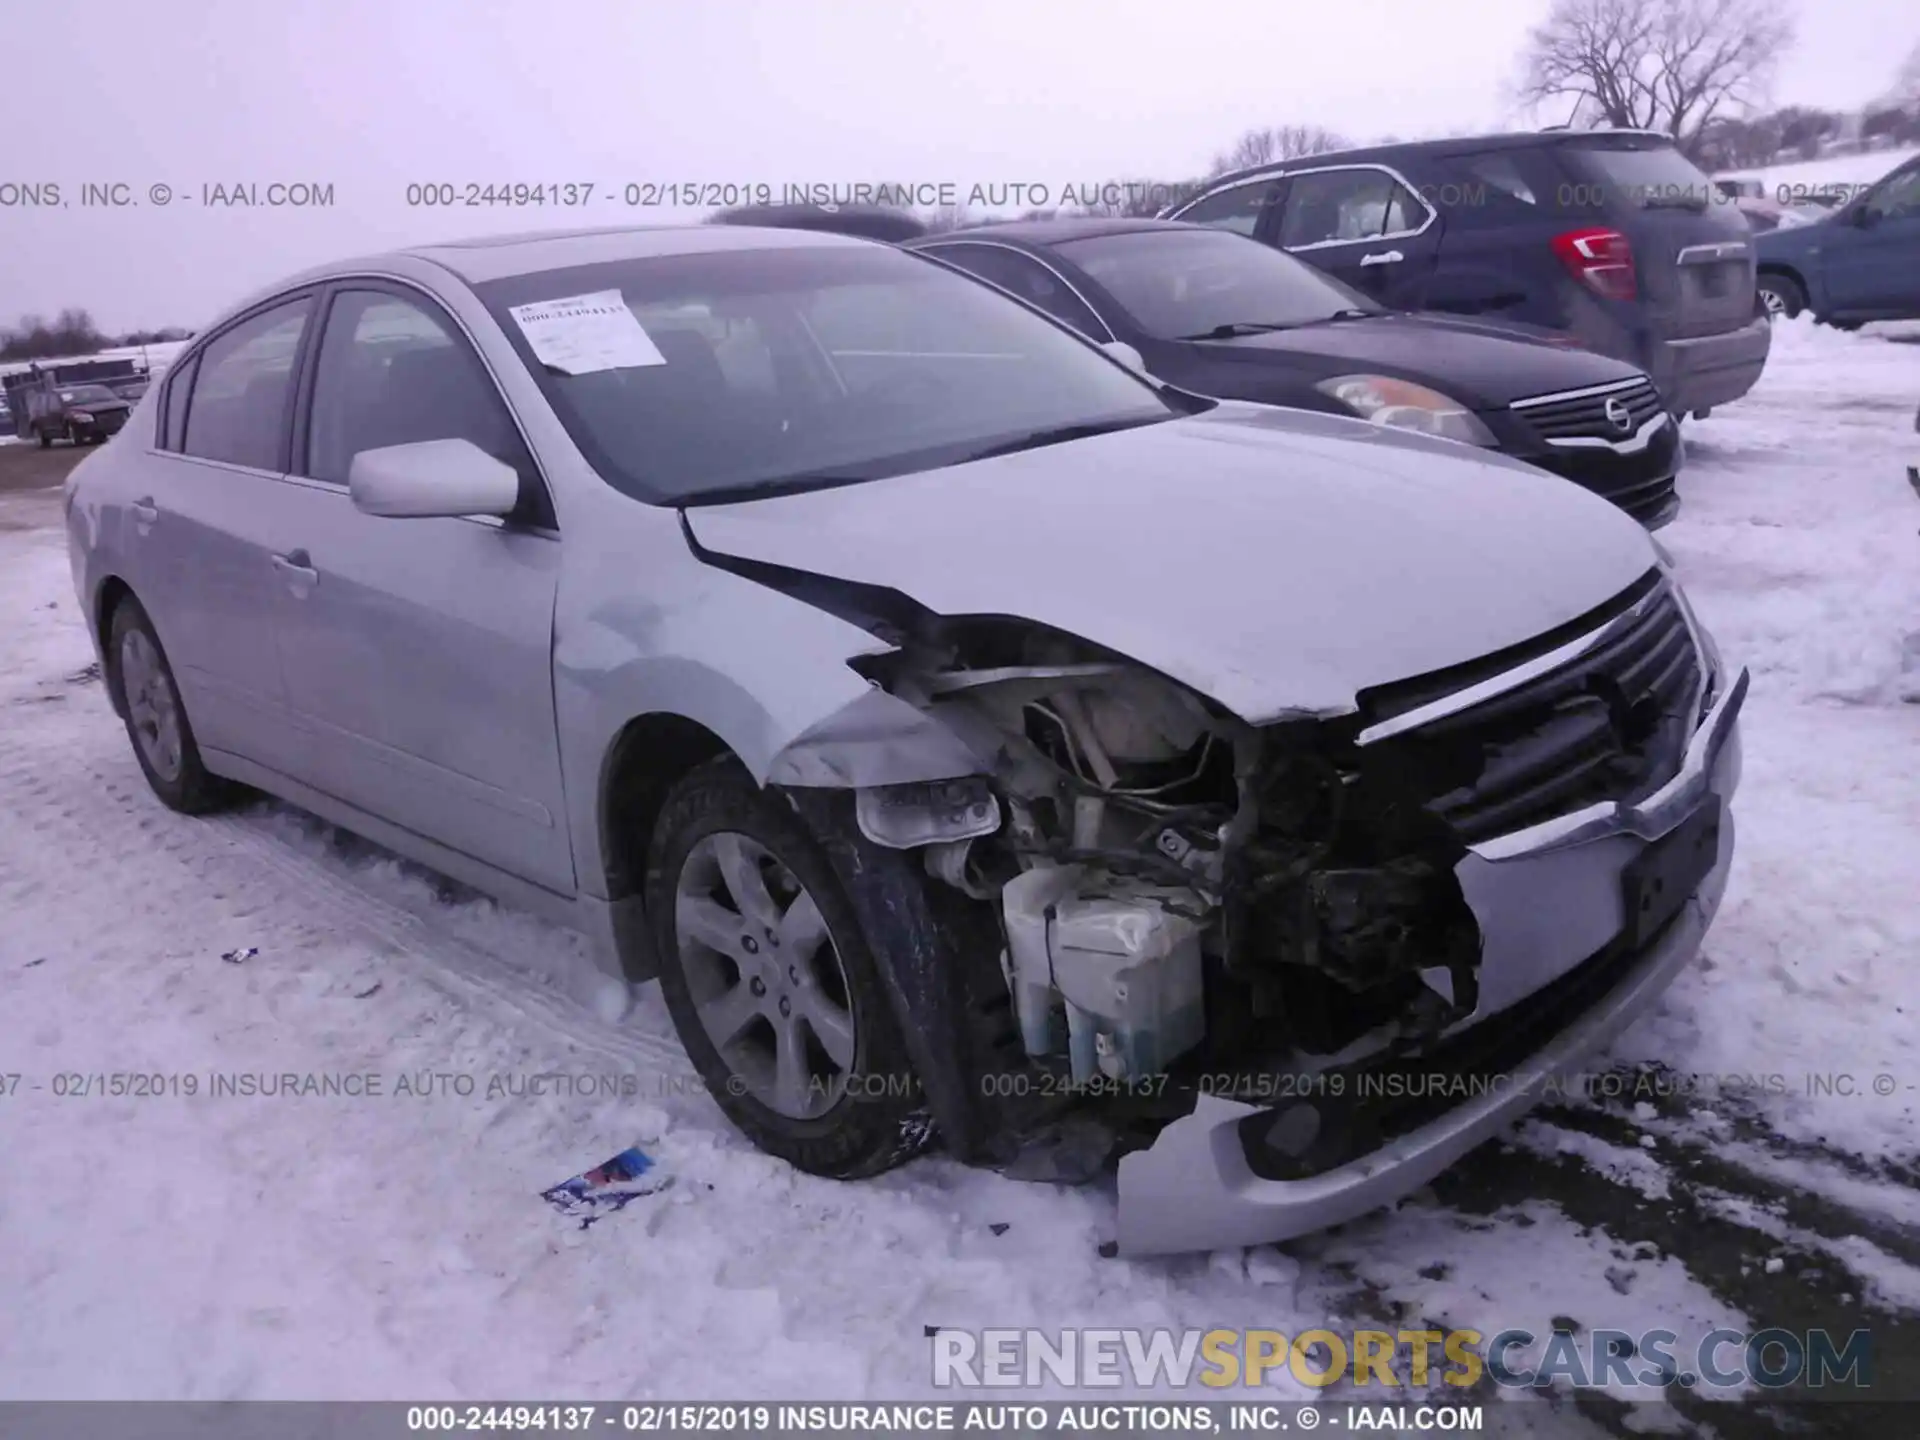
<point>1803,177</point>
<point>394,1245</point>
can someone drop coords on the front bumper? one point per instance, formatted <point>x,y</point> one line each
<point>1546,899</point>
<point>1707,370</point>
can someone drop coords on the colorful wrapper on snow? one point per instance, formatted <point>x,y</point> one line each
<point>608,1187</point>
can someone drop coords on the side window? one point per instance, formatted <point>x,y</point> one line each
<point>1331,207</point>
<point>1898,196</point>
<point>1028,279</point>
<point>1501,172</point>
<point>174,418</point>
<point>1494,188</point>
<point>1237,208</point>
<point>238,408</point>
<point>391,373</point>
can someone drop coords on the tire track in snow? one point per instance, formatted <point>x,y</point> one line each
<point>428,941</point>
<point>244,847</point>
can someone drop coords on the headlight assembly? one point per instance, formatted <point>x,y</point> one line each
<point>1387,401</point>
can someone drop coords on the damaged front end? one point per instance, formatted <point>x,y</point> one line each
<point>1186,901</point>
<point>1242,953</point>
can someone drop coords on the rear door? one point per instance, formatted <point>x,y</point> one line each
<point>1692,248</point>
<point>1363,224</point>
<point>1871,254</point>
<point>209,516</point>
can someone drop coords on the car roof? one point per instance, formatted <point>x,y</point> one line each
<point>1058,230</point>
<point>1452,145</point>
<point>496,257</point>
<point>876,222</point>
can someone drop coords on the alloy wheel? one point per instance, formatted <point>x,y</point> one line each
<point>765,976</point>
<point>152,705</point>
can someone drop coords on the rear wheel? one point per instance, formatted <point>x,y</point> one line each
<point>157,722</point>
<point>1781,297</point>
<point>773,988</point>
<point>40,434</point>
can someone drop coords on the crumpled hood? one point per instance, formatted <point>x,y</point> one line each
<point>1275,560</point>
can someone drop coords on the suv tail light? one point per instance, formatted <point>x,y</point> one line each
<point>1600,258</point>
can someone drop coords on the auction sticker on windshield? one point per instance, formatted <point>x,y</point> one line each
<point>580,334</point>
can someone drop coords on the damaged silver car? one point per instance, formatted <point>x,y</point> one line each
<point>983,745</point>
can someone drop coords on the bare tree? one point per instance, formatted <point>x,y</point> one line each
<point>1667,65</point>
<point>1906,85</point>
<point>71,333</point>
<point>1275,143</point>
<point>943,218</point>
<point>1731,142</point>
<point>1130,199</point>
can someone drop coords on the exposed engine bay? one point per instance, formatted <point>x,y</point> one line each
<point>1178,890</point>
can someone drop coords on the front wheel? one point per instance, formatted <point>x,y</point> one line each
<point>157,722</point>
<point>774,990</point>
<point>1780,297</point>
<point>46,440</point>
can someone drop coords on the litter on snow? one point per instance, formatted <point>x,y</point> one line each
<point>612,1186</point>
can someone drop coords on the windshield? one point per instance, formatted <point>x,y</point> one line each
<point>1651,176</point>
<point>1179,284</point>
<point>87,395</point>
<point>770,370</point>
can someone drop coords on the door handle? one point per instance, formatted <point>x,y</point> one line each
<point>145,512</point>
<point>298,568</point>
<point>1385,257</point>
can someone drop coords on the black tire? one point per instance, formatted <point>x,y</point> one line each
<point>862,1132</point>
<point>46,440</point>
<point>189,786</point>
<point>1780,295</point>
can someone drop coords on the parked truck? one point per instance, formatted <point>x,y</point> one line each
<point>55,399</point>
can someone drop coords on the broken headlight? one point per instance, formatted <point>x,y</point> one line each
<point>1387,401</point>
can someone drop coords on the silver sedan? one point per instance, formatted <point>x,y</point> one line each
<point>978,741</point>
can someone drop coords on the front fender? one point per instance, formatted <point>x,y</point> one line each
<point>766,674</point>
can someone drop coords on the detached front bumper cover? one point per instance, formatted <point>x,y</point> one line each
<point>1194,1188</point>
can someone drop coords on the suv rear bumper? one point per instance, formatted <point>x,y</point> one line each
<point>1197,1186</point>
<point>1708,370</point>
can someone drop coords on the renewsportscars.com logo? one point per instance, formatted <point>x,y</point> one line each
<point>1414,1359</point>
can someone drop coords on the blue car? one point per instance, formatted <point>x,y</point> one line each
<point>1860,263</point>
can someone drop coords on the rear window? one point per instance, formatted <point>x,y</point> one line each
<point>1646,177</point>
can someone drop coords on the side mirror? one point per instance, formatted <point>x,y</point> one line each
<point>1864,216</point>
<point>1126,355</point>
<point>432,478</point>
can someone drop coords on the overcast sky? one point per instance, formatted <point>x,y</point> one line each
<point>368,96</point>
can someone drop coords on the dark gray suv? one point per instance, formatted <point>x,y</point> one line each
<point>1611,237</point>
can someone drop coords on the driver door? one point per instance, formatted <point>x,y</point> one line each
<point>1873,250</point>
<point>418,653</point>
